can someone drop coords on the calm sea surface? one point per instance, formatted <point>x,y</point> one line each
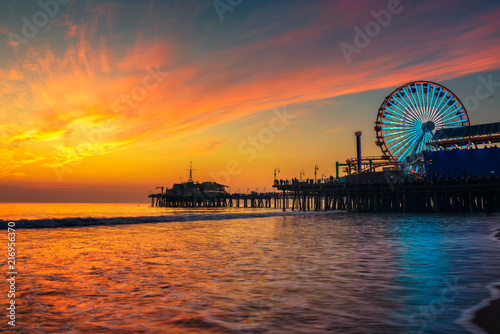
<point>323,273</point>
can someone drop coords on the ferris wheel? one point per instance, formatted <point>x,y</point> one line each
<point>409,117</point>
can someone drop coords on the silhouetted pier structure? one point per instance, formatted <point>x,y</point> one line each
<point>211,194</point>
<point>390,192</point>
<point>461,174</point>
<point>252,200</point>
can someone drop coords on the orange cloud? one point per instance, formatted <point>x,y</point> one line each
<point>333,131</point>
<point>13,158</point>
<point>35,135</point>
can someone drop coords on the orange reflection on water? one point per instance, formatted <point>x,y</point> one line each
<point>294,274</point>
<point>199,277</point>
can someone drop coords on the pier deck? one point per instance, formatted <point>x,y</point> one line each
<point>255,200</point>
<point>389,193</point>
<point>442,195</point>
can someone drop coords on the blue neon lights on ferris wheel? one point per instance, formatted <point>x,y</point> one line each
<point>412,113</point>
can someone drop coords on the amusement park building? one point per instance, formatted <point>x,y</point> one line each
<point>469,151</point>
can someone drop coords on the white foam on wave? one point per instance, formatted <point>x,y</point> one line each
<point>468,315</point>
<point>90,221</point>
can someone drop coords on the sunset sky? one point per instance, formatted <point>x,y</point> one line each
<point>105,100</point>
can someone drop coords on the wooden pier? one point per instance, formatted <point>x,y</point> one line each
<point>368,192</point>
<point>395,194</point>
<point>253,200</point>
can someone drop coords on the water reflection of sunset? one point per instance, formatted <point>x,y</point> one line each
<point>275,274</point>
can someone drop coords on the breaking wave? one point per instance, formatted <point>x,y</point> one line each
<point>90,221</point>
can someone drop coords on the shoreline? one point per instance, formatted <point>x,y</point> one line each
<point>486,314</point>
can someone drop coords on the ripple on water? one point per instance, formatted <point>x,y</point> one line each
<point>320,273</point>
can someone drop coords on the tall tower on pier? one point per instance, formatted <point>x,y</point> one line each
<point>190,171</point>
<point>358,149</point>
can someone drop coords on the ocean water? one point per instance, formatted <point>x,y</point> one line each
<point>251,271</point>
<point>38,211</point>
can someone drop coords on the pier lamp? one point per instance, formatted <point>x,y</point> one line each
<point>315,171</point>
<point>302,173</point>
